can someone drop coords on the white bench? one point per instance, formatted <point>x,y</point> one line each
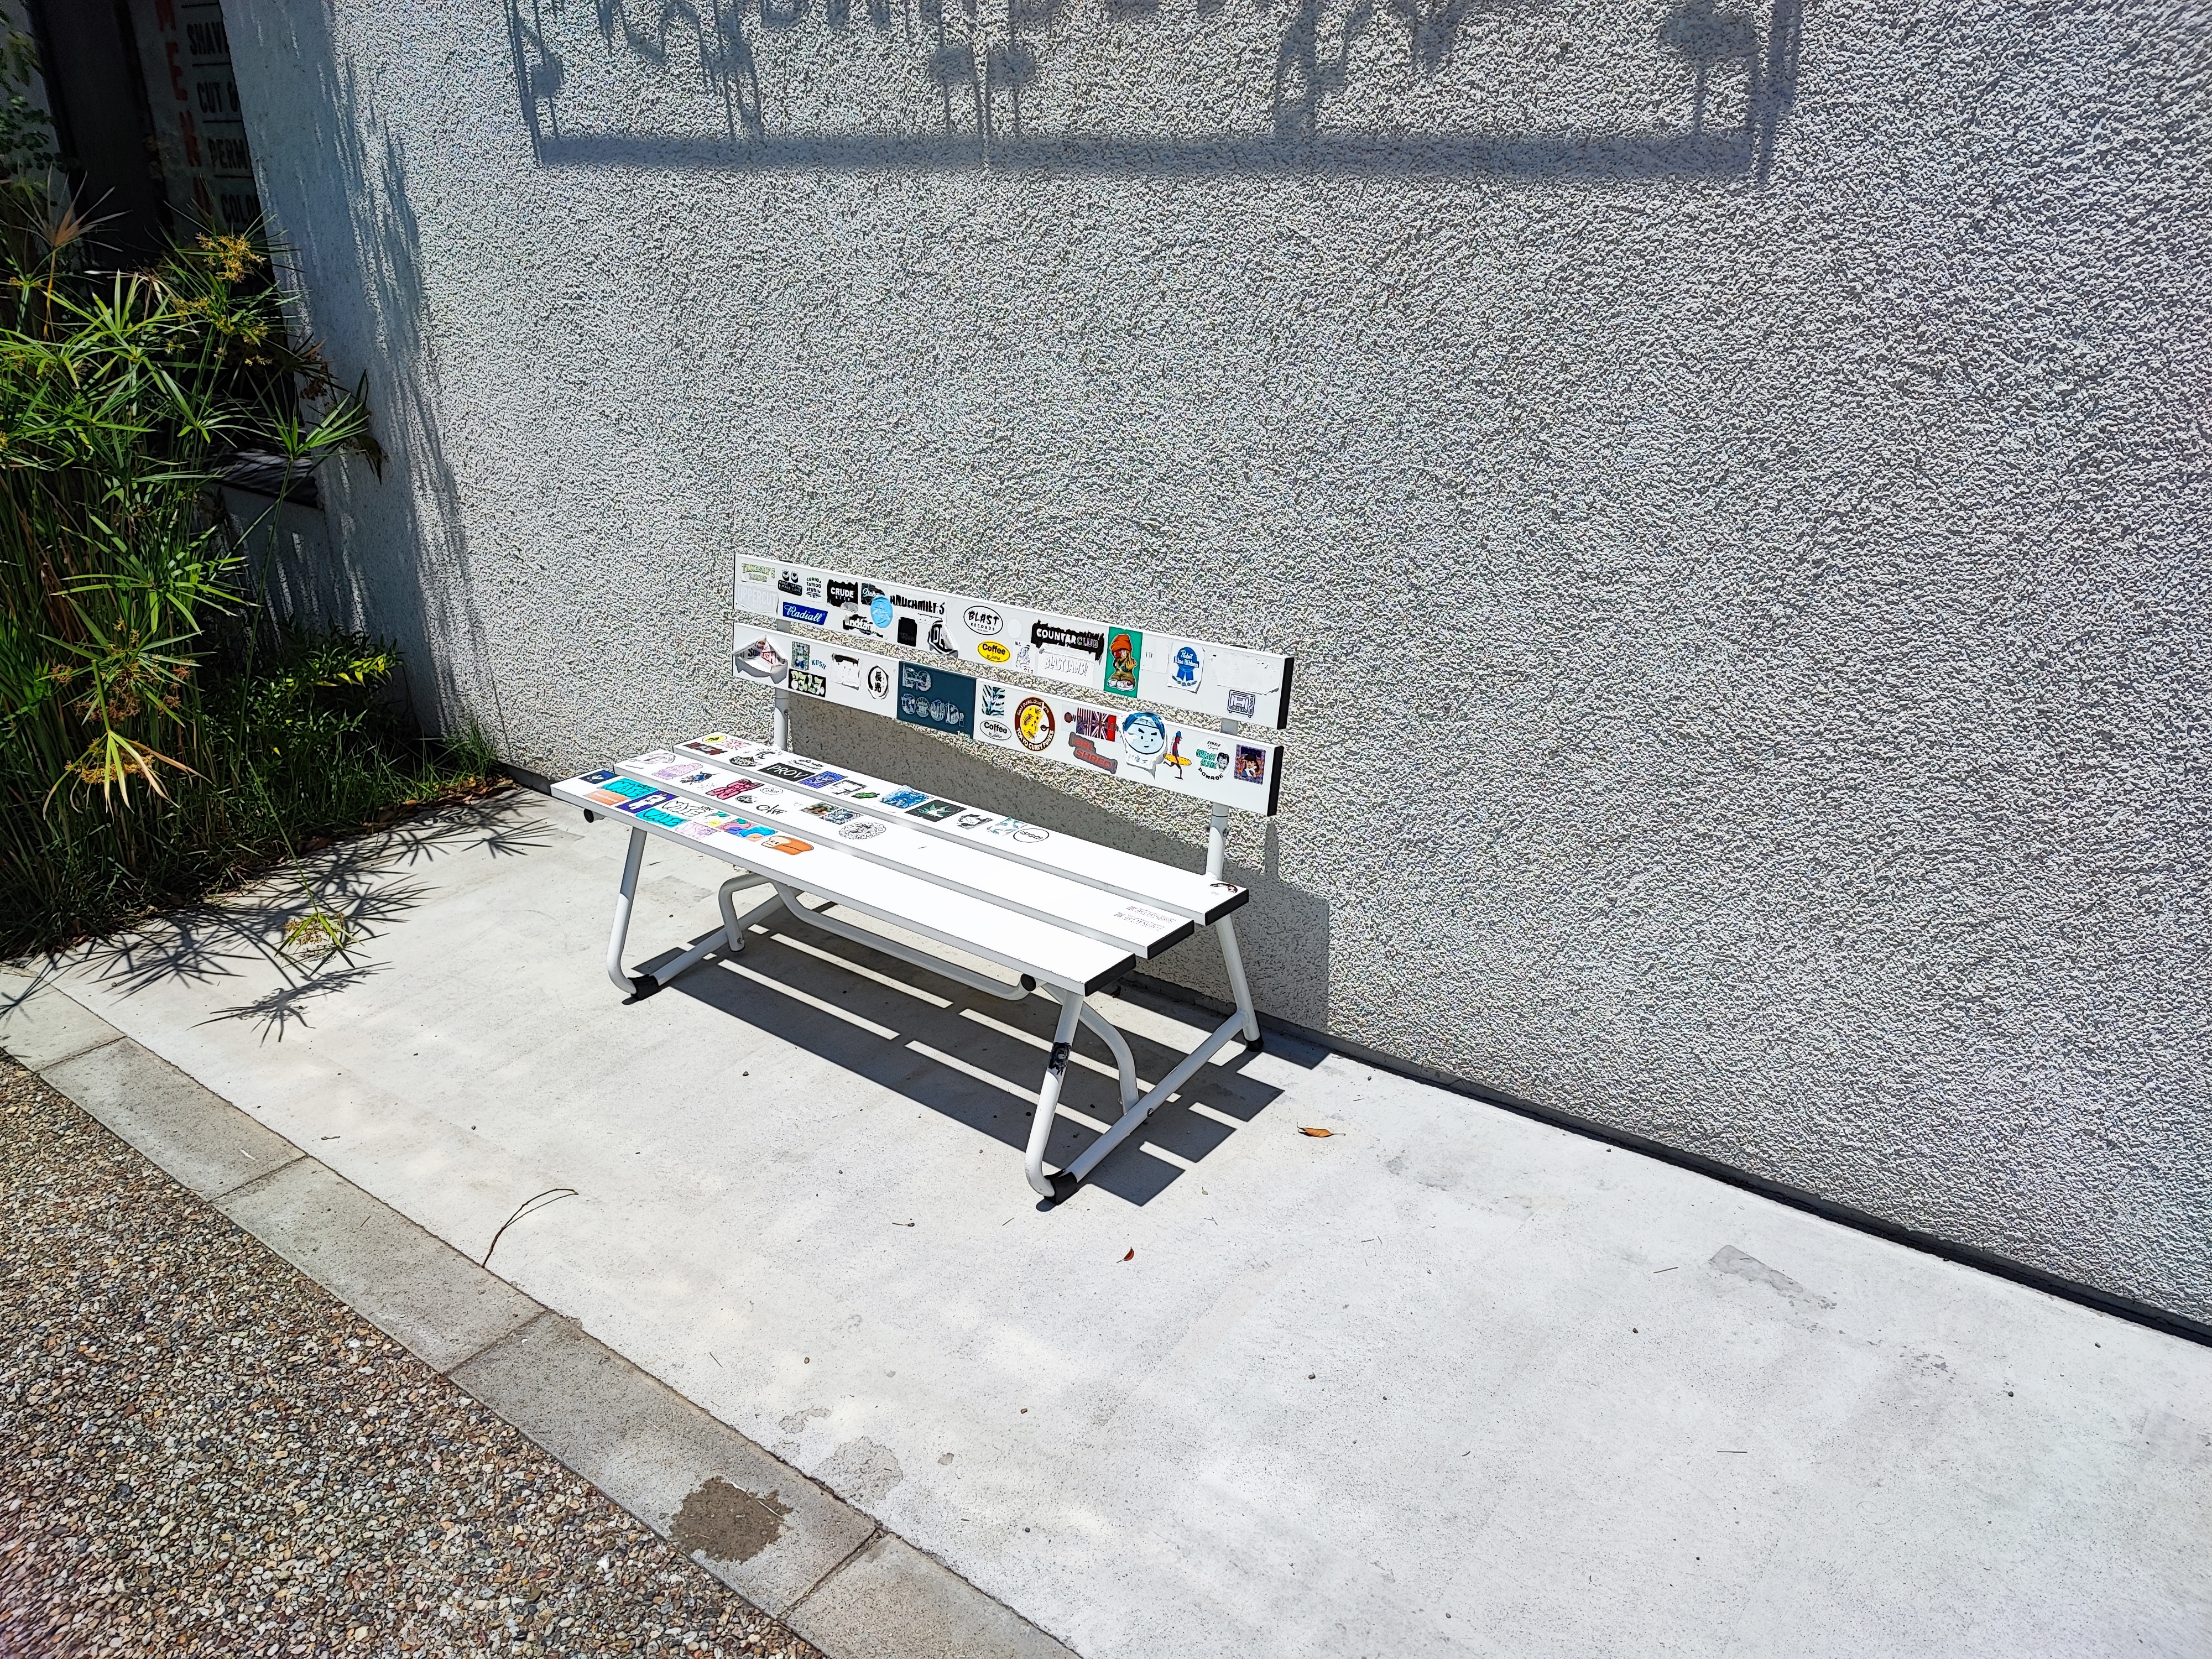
<point>1056,912</point>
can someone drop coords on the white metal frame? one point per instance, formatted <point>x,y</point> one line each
<point>1074,1004</point>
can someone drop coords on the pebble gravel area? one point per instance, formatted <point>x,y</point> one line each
<point>204,1452</point>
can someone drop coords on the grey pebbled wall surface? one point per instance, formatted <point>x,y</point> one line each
<point>1734,478</point>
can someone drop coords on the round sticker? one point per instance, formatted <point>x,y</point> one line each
<point>992,651</point>
<point>974,820</point>
<point>1144,736</point>
<point>861,830</point>
<point>1213,762</point>
<point>880,681</point>
<point>1034,724</point>
<point>879,611</point>
<point>1030,832</point>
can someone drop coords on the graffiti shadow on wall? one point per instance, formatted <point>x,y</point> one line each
<point>1503,88</point>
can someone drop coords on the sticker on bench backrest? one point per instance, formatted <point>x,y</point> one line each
<point>1134,745</point>
<point>1115,659</point>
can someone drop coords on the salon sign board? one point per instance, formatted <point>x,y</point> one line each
<point>1202,679</point>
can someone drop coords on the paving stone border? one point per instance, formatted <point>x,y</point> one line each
<point>790,1547</point>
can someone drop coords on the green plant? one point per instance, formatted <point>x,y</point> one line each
<point>160,732</point>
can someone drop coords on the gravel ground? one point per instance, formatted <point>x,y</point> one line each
<point>203,1452</point>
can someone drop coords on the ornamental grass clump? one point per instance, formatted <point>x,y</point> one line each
<point>161,732</point>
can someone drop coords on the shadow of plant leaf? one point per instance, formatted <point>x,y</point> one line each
<point>286,1006</point>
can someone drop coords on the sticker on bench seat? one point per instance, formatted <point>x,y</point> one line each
<point>915,850</point>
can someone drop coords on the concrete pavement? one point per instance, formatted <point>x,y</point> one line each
<point>1445,1382</point>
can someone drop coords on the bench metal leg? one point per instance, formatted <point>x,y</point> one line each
<point>1216,859</point>
<point>624,900</point>
<point>736,926</point>
<point>730,938</point>
<point>1233,959</point>
<point>1132,1118</point>
<point>1114,1040</point>
<point>1055,1072</point>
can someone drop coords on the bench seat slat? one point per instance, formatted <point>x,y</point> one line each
<point>1077,906</point>
<point>1021,944</point>
<point>1185,892</point>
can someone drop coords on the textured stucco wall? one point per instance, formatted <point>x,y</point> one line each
<point>1749,581</point>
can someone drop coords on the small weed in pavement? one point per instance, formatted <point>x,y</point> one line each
<point>203,1452</point>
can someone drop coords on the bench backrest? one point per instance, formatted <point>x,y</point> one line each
<point>1210,691</point>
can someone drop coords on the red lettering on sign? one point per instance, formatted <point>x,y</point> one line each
<point>164,14</point>
<point>191,138</point>
<point>177,75</point>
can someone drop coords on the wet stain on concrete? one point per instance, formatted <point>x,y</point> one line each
<point>1729,1260</point>
<point>727,1523</point>
<point>796,1423</point>
<point>862,1471</point>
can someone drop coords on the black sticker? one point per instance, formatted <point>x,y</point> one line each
<point>937,698</point>
<point>1068,639</point>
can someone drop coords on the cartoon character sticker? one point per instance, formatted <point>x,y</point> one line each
<point>1251,764</point>
<point>1144,741</point>
<point>1124,649</point>
<point>1034,724</point>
